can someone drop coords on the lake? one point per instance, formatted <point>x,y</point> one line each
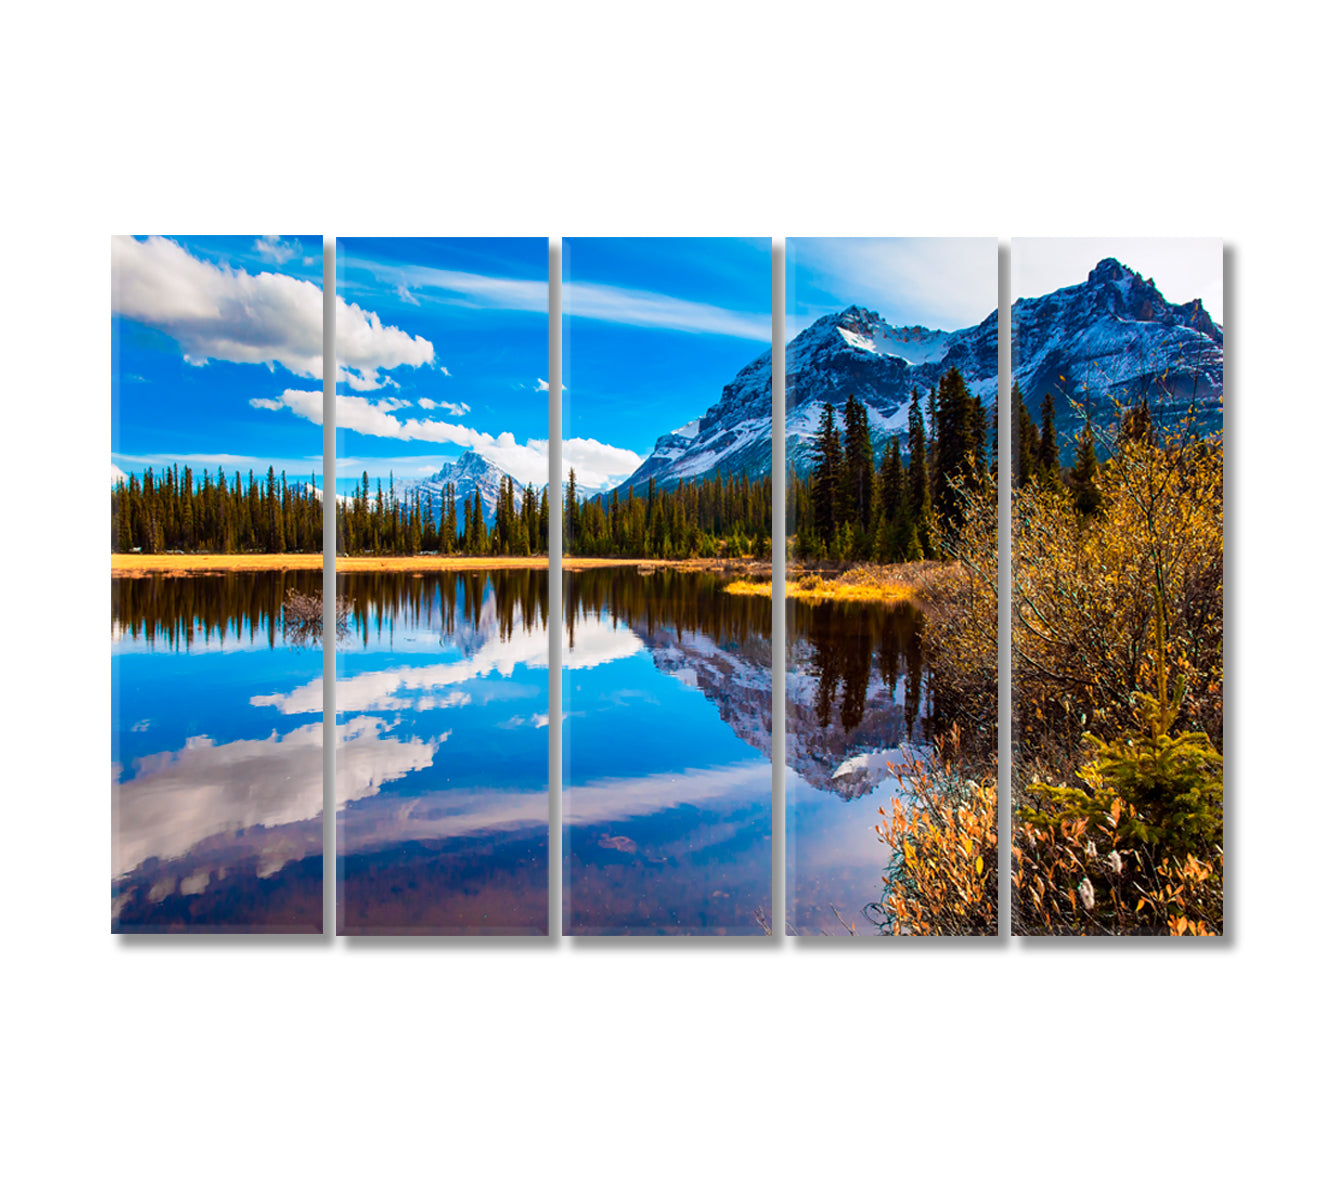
<point>668,788</point>
<point>217,810</point>
<point>442,775</point>
<point>442,778</point>
<point>858,701</point>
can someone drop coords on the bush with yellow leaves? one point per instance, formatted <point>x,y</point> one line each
<point>1136,849</point>
<point>1085,589</point>
<point>941,878</point>
<point>1081,877</point>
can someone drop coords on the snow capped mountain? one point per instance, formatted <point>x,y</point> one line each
<point>852,351</point>
<point>1113,336</point>
<point>1114,339</point>
<point>472,475</point>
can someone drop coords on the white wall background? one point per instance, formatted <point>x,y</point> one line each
<point>267,1069</point>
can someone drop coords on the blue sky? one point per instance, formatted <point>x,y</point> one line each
<point>654,328</point>
<point>941,283</point>
<point>200,327</point>
<point>480,306</point>
<point>442,343</point>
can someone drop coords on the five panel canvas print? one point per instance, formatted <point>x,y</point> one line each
<point>895,426</point>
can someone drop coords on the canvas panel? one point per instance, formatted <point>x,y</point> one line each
<point>667,668</point>
<point>442,660</point>
<point>216,590</point>
<point>1117,586</point>
<point>890,731</point>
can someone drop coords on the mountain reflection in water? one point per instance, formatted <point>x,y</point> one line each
<point>858,703</point>
<point>668,731</point>
<point>442,770</point>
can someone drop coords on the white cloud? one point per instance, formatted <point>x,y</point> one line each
<point>537,721</point>
<point>179,798</point>
<point>652,310</point>
<point>599,302</point>
<point>456,410</point>
<point>443,685</point>
<point>718,789</point>
<point>596,463</point>
<point>218,312</point>
<point>117,475</point>
<point>296,468</point>
<point>406,296</point>
<point>276,250</point>
<point>544,386</point>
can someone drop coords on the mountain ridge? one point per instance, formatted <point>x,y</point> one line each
<point>1107,341</point>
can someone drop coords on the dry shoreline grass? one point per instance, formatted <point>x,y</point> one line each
<point>897,583</point>
<point>137,566</point>
<point>133,566</point>
<point>871,583</point>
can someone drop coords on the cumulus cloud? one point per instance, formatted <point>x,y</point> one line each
<point>444,685</point>
<point>177,799</point>
<point>596,464</point>
<point>456,410</point>
<point>224,313</point>
<point>276,250</point>
<point>544,386</point>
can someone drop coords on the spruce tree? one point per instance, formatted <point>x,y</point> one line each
<point>1084,476</point>
<point>1049,460</point>
<point>826,477</point>
<point>919,490</point>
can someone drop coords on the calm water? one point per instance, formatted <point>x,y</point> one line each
<point>442,761</point>
<point>858,695</point>
<point>217,800</point>
<point>668,790</point>
<point>442,785</point>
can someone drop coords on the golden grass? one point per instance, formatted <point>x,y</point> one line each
<point>433,564</point>
<point>898,583</point>
<point>134,566</point>
<point>138,565</point>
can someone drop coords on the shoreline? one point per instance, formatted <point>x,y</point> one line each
<point>897,583</point>
<point>135,566</point>
<point>871,583</point>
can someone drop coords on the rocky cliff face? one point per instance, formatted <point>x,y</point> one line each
<point>1109,341</point>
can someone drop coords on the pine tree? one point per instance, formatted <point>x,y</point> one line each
<point>1084,476</point>
<point>1023,449</point>
<point>826,476</point>
<point>1049,460</point>
<point>858,465</point>
<point>919,491</point>
<point>955,448</point>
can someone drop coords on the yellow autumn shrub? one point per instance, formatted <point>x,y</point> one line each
<point>1084,593</point>
<point>941,834</point>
